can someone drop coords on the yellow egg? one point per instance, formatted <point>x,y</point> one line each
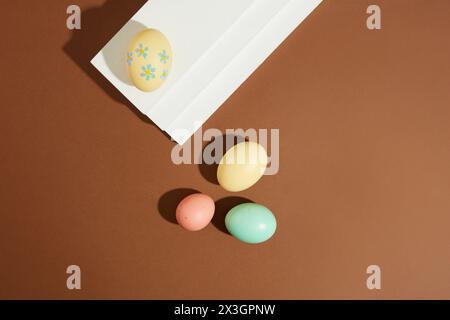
<point>149,59</point>
<point>242,166</point>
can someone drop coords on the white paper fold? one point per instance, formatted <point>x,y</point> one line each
<point>216,45</point>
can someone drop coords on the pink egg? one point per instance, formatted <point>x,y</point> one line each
<point>195,211</point>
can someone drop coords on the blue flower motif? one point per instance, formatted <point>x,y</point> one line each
<point>163,56</point>
<point>148,72</point>
<point>129,58</point>
<point>142,51</point>
<point>164,74</point>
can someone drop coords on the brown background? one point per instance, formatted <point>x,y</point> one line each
<point>364,177</point>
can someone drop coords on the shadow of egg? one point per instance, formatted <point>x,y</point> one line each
<point>168,203</point>
<point>115,52</point>
<point>213,152</point>
<point>223,206</point>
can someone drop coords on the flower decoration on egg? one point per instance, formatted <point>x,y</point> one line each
<point>130,58</point>
<point>163,56</point>
<point>148,72</point>
<point>164,74</point>
<point>142,51</point>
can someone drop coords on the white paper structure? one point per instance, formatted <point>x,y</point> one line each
<point>216,44</point>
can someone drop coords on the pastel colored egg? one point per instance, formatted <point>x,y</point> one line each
<point>195,211</point>
<point>149,59</point>
<point>251,223</point>
<point>242,166</point>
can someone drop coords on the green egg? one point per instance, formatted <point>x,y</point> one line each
<point>251,223</point>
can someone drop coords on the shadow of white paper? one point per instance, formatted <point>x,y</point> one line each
<point>115,52</point>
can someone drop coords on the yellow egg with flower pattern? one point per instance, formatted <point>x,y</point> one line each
<point>149,60</point>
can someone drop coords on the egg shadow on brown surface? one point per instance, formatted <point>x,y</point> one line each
<point>207,169</point>
<point>222,207</point>
<point>98,26</point>
<point>168,202</point>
